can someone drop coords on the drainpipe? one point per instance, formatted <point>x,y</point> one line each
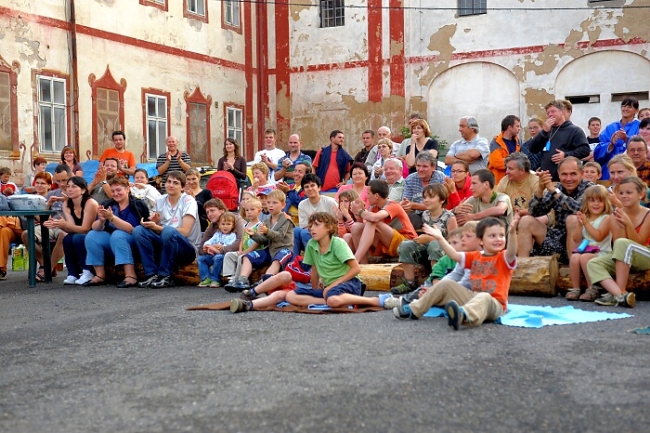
<point>74,88</point>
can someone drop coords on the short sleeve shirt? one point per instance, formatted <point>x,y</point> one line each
<point>126,158</point>
<point>479,206</point>
<point>302,158</point>
<point>274,156</point>
<point>331,265</point>
<point>398,219</point>
<point>491,274</point>
<point>520,193</point>
<point>172,216</point>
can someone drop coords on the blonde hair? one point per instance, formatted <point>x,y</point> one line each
<point>387,142</point>
<point>242,211</point>
<point>261,167</point>
<point>278,195</point>
<point>595,165</point>
<point>597,192</point>
<point>625,161</point>
<point>470,226</point>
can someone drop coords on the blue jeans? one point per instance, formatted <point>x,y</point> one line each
<point>205,262</point>
<point>75,253</point>
<point>118,244</point>
<point>169,249</point>
<point>300,238</point>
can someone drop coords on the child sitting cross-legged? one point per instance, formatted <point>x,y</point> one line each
<point>490,275</point>
<point>334,269</point>
<point>214,249</point>
<point>232,262</point>
<point>276,235</point>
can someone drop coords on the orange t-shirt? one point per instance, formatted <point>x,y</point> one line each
<point>491,274</point>
<point>126,158</point>
<point>397,219</point>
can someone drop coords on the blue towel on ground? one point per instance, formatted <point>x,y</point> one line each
<point>283,304</point>
<point>322,307</point>
<point>530,316</point>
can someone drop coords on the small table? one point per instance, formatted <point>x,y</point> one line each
<point>31,241</point>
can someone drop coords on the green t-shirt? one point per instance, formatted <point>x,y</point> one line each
<point>331,265</point>
<point>246,238</point>
<point>444,266</point>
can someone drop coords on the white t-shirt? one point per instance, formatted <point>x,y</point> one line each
<point>305,208</point>
<point>172,216</point>
<point>274,156</point>
<point>149,194</point>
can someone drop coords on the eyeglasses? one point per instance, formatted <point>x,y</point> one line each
<point>459,171</point>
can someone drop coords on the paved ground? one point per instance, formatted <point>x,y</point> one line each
<point>108,360</point>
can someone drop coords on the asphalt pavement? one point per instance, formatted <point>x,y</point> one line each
<point>101,359</point>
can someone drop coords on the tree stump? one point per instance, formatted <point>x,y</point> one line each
<point>377,276</point>
<point>536,276</point>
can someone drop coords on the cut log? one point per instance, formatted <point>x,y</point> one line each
<point>377,276</point>
<point>536,276</point>
<point>637,283</point>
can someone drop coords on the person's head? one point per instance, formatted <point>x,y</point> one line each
<point>110,165</point>
<point>175,182</point>
<point>214,208</point>
<point>592,171</point>
<point>172,144</point>
<point>39,164</point>
<point>468,127</point>
<point>455,239</point>
<point>245,197</point>
<point>510,126</point>
<point>231,146</point>
<point>435,196</point>
<point>644,129</point>
<point>227,222</point>
<point>644,113</point>
<point>534,126</point>
<point>192,178</point>
<point>483,181</point>
<point>420,128</point>
<point>141,176</point>
<point>311,185</point>
<point>570,172</point>
<point>492,233</point>
<point>631,191</point>
<point>69,155</point>
<point>300,170</point>
<point>384,132</point>
<point>322,225</point>
<point>119,139</point>
<point>469,241</point>
<point>393,168</point>
<point>269,139</point>
<point>5,174</point>
<point>119,188</point>
<point>384,147</point>
<point>568,108</point>
<point>637,150</point>
<point>42,182</point>
<point>260,172</point>
<point>368,138</point>
<point>263,199</point>
<point>413,117</point>
<point>61,175</point>
<point>359,173</point>
<point>459,171</point>
<point>346,198</point>
<point>275,202</point>
<point>555,110</point>
<point>378,191</point>
<point>337,138</point>
<point>294,144</point>
<point>252,209</point>
<point>77,188</point>
<point>594,126</point>
<point>517,166</point>
<point>620,167</point>
<point>425,164</point>
<point>596,201</point>
<point>629,107</point>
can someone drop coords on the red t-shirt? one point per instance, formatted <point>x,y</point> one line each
<point>397,219</point>
<point>491,274</point>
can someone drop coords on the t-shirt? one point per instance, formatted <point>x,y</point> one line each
<point>274,156</point>
<point>126,158</point>
<point>331,265</point>
<point>301,159</point>
<point>4,186</point>
<point>148,194</point>
<point>174,165</point>
<point>479,206</point>
<point>57,206</point>
<point>520,193</point>
<point>491,274</point>
<point>172,216</point>
<point>397,219</point>
<point>221,238</point>
<point>246,240</point>
<point>333,176</point>
<point>305,208</point>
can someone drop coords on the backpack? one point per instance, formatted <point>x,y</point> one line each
<point>224,186</point>
<point>300,272</point>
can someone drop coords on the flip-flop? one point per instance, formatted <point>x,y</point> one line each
<point>94,283</point>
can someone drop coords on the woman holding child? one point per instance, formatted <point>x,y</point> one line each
<point>112,233</point>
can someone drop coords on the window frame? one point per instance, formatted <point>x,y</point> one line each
<point>58,76</point>
<point>337,10</point>
<point>187,13</point>
<point>158,4</point>
<point>224,22</point>
<point>476,8</point>
<point>108,82</point>
<point>227,106</point>
<point>12,70</point>
<point>197,97</point>
<point>146,92</point>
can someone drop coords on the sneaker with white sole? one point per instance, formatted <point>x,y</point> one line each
<point>86,276</point>
<point>69,280</point>
<point>607,300</point>
<point>403,312</point>
<point>391,303</point>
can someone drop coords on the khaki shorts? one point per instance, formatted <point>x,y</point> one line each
<point>53,234</point>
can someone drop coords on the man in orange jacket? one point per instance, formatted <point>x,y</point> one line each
<point>503,145</point>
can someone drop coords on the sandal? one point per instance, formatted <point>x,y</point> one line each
<point>573,295</point>
<point>93,282</point>
<point>125,285</point>
<point>590,295</point>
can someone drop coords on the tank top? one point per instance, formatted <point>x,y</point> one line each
<point>638,228</point>
<point>79,221</point>
<point>606,244</point>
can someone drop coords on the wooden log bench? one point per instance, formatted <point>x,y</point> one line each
<point>637,283</point>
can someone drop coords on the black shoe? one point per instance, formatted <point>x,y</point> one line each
<point>455,313</point>
<point>148,281</point>
<point>127,282</point>
<point>162,282</point>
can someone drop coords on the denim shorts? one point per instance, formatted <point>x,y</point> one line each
<point>259,258</point>
<point>352,287</point>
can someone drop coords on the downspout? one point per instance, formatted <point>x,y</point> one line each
<point>262,79</point>
<point>74,88</point>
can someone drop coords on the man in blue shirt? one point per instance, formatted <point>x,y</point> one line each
<point>426,174</point>
<point>287,164</point>
<point>613,140</point>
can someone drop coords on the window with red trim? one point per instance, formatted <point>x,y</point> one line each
<point>159,4</point>
<point>108,109</point>
<point>52,104</point>
<point>234,123</point>
<point>198,126</point>
<point>196,9</point>
<point>231,15</point>
<point>156,121</point>
<point>8,106</point>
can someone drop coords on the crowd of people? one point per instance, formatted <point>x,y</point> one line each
<point>311,223</point>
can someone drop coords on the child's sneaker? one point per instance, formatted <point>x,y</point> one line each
<point>403,312</point>
<point>215,284</point>
<point>247,295</point>
<point>242,284</point>
<point>391,303</point>
<point>625,299</point>
<point>205,283</point>
<point>239,306</point>
<point>405,287</point>
<point>456,314</point>
<point>383,298</point>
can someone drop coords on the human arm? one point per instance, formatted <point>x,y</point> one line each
<point>371,158</point>
<point>109,217</point>
<point>511,249</point>
<point>130,171</point>
<point>442,266</point>
<point>598,234</point>
<point>410,155</point>
<point>358,208</point>
<point>469,156</point>
<point>624,227</point>
<point>352,272</point>
<point>239,234</point>
<point>251,248</point>
<point>497,158</point>
<point>446,247</point>
<point>90,214</point>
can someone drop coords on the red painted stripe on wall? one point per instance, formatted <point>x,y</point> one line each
<point>375,59</point>
<point>249,137</point>
<point>283,68</point>
<point>396,48</point>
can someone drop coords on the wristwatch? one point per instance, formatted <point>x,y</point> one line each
<point>557,191</point>
<point>104,182</point>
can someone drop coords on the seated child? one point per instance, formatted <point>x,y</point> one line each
<point>142,190</point>
<point>232,261</point>
<point>345,217</point>
<point>214,250</point>
<point>276,234</point>
<point>6,186</point>
<point>490,275</point>
<point>592,171</point>
<point>334,272</point>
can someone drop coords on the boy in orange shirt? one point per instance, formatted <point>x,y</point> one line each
<point>490,275</point>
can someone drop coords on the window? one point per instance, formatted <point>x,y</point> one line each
<point>332,13</point>
<point>234,125</point>
<point>52,119</point>
<point>198,126</point>
<point>196,7</point>
<point>231,13</point>
<point>159,4</point>
<point>471,7</point>
<point>108,109</point>
<point>157,125</point>
<point>5,111</point>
